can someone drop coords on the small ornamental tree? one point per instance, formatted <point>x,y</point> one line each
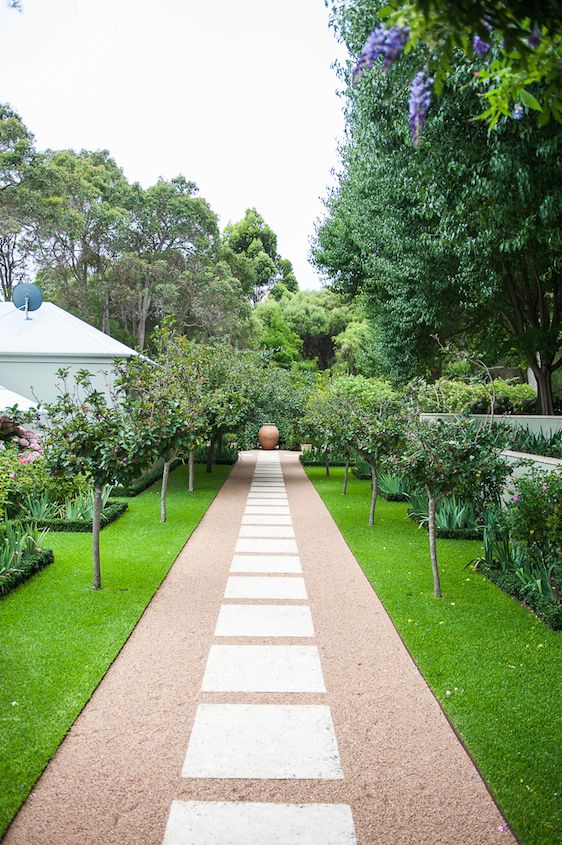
<point>87,435</point>
<point>166,396</point>
<point>330,422</point>
<point>446,455</point>
<point>379,439</point>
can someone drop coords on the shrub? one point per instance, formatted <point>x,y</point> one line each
<point>455,396</point>
<point>525,440</point>
<point>20,553</point>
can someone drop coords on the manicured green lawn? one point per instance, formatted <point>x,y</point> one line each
<point>501,666</point>
<point>58,637</point>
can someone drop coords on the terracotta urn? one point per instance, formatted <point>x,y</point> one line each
<point>268,435</point>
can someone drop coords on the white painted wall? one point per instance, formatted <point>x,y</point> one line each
<point>35,377</point>
<point>534,422</point>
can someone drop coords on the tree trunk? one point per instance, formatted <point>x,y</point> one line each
<point>211,454</point>
<point>374,493</point>
<point>191,471</point>
<point>543,375</point>
<point>96,519</point>
<point>432,545</point>
<point>105,316</point>
<point>345,477</point>
<point>327,463</point>
<point>165,476</point>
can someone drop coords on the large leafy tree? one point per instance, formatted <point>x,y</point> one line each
<point>455,238</point>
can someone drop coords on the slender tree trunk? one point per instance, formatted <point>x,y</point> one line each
<point>96,519</point>
<point>432,545</point>
<point>327,463</point>
<point>345,477</point>
<point>374,493</point>
<point>165,477</point>
<point>211,454</point>
<point>191,470</point>
<point>105,316</point>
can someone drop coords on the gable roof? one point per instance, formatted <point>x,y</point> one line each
<point>53,331</point>
<point>8,399</point>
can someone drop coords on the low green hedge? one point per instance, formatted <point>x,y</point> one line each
<point>140,484</point>
<point>226,455</point>
<point>28,567</point>
<point>111,512</point>
<point>548,611</point>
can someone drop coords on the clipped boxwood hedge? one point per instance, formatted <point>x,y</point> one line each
<point>310,458</point>
<point>111,512</point>
<point>140,484</point>
<point>28,566</point>
<point>548,611</point>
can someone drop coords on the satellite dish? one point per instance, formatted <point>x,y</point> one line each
<point>27,297</point>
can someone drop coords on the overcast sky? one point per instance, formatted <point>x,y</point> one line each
<point>238,95</point>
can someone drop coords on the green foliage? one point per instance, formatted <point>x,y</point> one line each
<point>442,240</point>
<point>457,396</point>
<point>526,50</point>
<point>392,487</point>
<point>224,455</point>
<point>276,336</point>
<point>524,440</point>
<point>79,517</point>
<point>499,664</point>
<point>278,396</point>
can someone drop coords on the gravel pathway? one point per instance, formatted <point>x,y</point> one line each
<point>264,698</point>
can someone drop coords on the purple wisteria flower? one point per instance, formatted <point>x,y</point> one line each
<point>419,103</point>
<point>534,38</point>
<point>481,47</point>
<point>518,112</point>
<point>388,43</point>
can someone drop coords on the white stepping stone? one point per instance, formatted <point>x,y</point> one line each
<point>266,531</point>
<point>263,668</point>
<point>280,509</point>
<point>261,519</point>
<point>287,564</point>
<point>265,545</point>
<point>263,741</point>
<point>245,823</point>
<point>253,502</point>
<point>267,494</point>
<point>254,587</point>
<point>264,620</point>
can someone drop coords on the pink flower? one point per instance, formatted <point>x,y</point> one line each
<point>516,497</point>
<point>11,475</point>
<point>545,488</point>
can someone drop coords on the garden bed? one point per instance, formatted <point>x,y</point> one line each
<point>27,567</point>
<point>447,533</point>
<point>112,511</point>
<point>547,611</point>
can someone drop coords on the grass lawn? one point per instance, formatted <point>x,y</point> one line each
<point>58,637</point>
<point>499,664</point>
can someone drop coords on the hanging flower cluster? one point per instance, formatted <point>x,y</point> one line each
<point>419,103</point>
<point>381,43</point>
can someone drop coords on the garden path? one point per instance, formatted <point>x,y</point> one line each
<point>264,697</point>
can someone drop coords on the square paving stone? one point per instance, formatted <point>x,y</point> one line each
<point>263,668</point>
<point>273,508</point>
<point>254,587</point>
<point>266,563</point>
<point>263,741</point>
<point>264,620</point>
<point>267,494</point>
<point>266,531</point>
<point>264,544</point>
<point>245,823</point>
<point>264,519</point>
<point>267,503</point>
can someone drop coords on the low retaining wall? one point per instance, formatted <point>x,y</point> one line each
<point>547,426</point>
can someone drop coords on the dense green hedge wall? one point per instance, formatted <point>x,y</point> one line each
<point>547,610</point>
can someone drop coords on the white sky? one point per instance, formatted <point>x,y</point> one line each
<point>238,95</point>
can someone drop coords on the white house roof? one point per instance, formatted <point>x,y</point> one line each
<point>53,331</point>
<point>8,399</point>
